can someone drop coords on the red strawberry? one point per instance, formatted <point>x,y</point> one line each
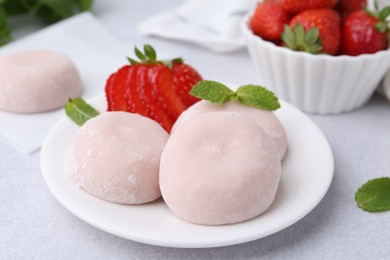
<point>297,6</point>
<point>346,7</point>
<point>184,77</point>
<point>271,1</point>
<point>152,88</point>
<point>366,32</point>
<point>314,31</point>
<point>317,4</point>
<point>268,21</point>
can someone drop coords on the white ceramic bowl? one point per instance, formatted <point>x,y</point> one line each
<point>320,84</point>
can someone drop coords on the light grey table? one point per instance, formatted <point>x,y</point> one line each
<point>34,225</point>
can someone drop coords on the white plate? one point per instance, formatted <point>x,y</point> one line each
<point>306,176</point>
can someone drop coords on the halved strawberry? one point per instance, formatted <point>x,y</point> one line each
<point>152,88</point>
<point>184,77</point>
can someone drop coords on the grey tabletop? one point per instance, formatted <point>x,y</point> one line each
<point>34,225</point>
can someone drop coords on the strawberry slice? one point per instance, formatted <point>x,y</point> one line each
<point>109,92</point>
<point>146,83</point>
<point>163,92</point>
<point>116,88</point>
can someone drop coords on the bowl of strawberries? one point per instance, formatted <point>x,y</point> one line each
<point>323,56</point>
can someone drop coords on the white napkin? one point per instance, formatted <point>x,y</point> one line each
<point>214,24</point>
<point>95,53</point>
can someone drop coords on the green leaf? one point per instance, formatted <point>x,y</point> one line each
<point>384,13</point>
<point>212,91</point>
<point>374,195</point>
<point>300,33</point>
<point>258,97</point>
<point>5,32</point>
<point>312,35</point>
<point>298,40</point>
<point>150,52</point>
<point>53,10</point>
<point>139,54</point>
<point>288,37</point>
<point>249,95</point>
<point>14,7</point>
<point>84,5</point>
<point>132,61</point>
<point>381,27</point>
<point>79,111</point>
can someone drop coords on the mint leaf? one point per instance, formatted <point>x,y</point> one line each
<point>258,97</point>
<point>5,32</point>
<point>49,10</point>
<point>212,91</point>
<point>53,10</point>
<point>14,7</point>
<point>84,5</point>
<point>249,95</point>
<point>79,111</point>
<point>374,195</point>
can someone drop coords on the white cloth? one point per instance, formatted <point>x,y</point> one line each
<point>95,62</point>
<point>214,24</point>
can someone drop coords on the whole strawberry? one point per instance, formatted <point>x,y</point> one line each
<point>365,32</point>
<point>268,21</point>
<point>346,7</point>
<point>314,31</point>
<point>297,6</point>
<point>152,88</point>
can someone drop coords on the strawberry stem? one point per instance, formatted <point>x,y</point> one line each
<point>149,56</point>
<point>150,52</point>
<point>297,39</point>
<point>382,26</point>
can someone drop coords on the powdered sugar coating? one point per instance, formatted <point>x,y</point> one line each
<point>116,157</point>
<point>266,119</point>
<point>219,168</point>
<point>37,81</point>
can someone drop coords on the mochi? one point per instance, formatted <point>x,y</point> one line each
<point>37,81</point>
<point>219,168</point>
<point>266,119</point>
<point>116,156</point>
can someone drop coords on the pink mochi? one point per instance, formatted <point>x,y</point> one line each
<point>266,119</point>
<point>37,81</point>
<point>219,168</point>
<point>116,157</point>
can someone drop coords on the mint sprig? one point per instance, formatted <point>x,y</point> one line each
<point>249,95</point>
<point>48,10</point>
<point>79,111</point>
<point>374,195</point>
